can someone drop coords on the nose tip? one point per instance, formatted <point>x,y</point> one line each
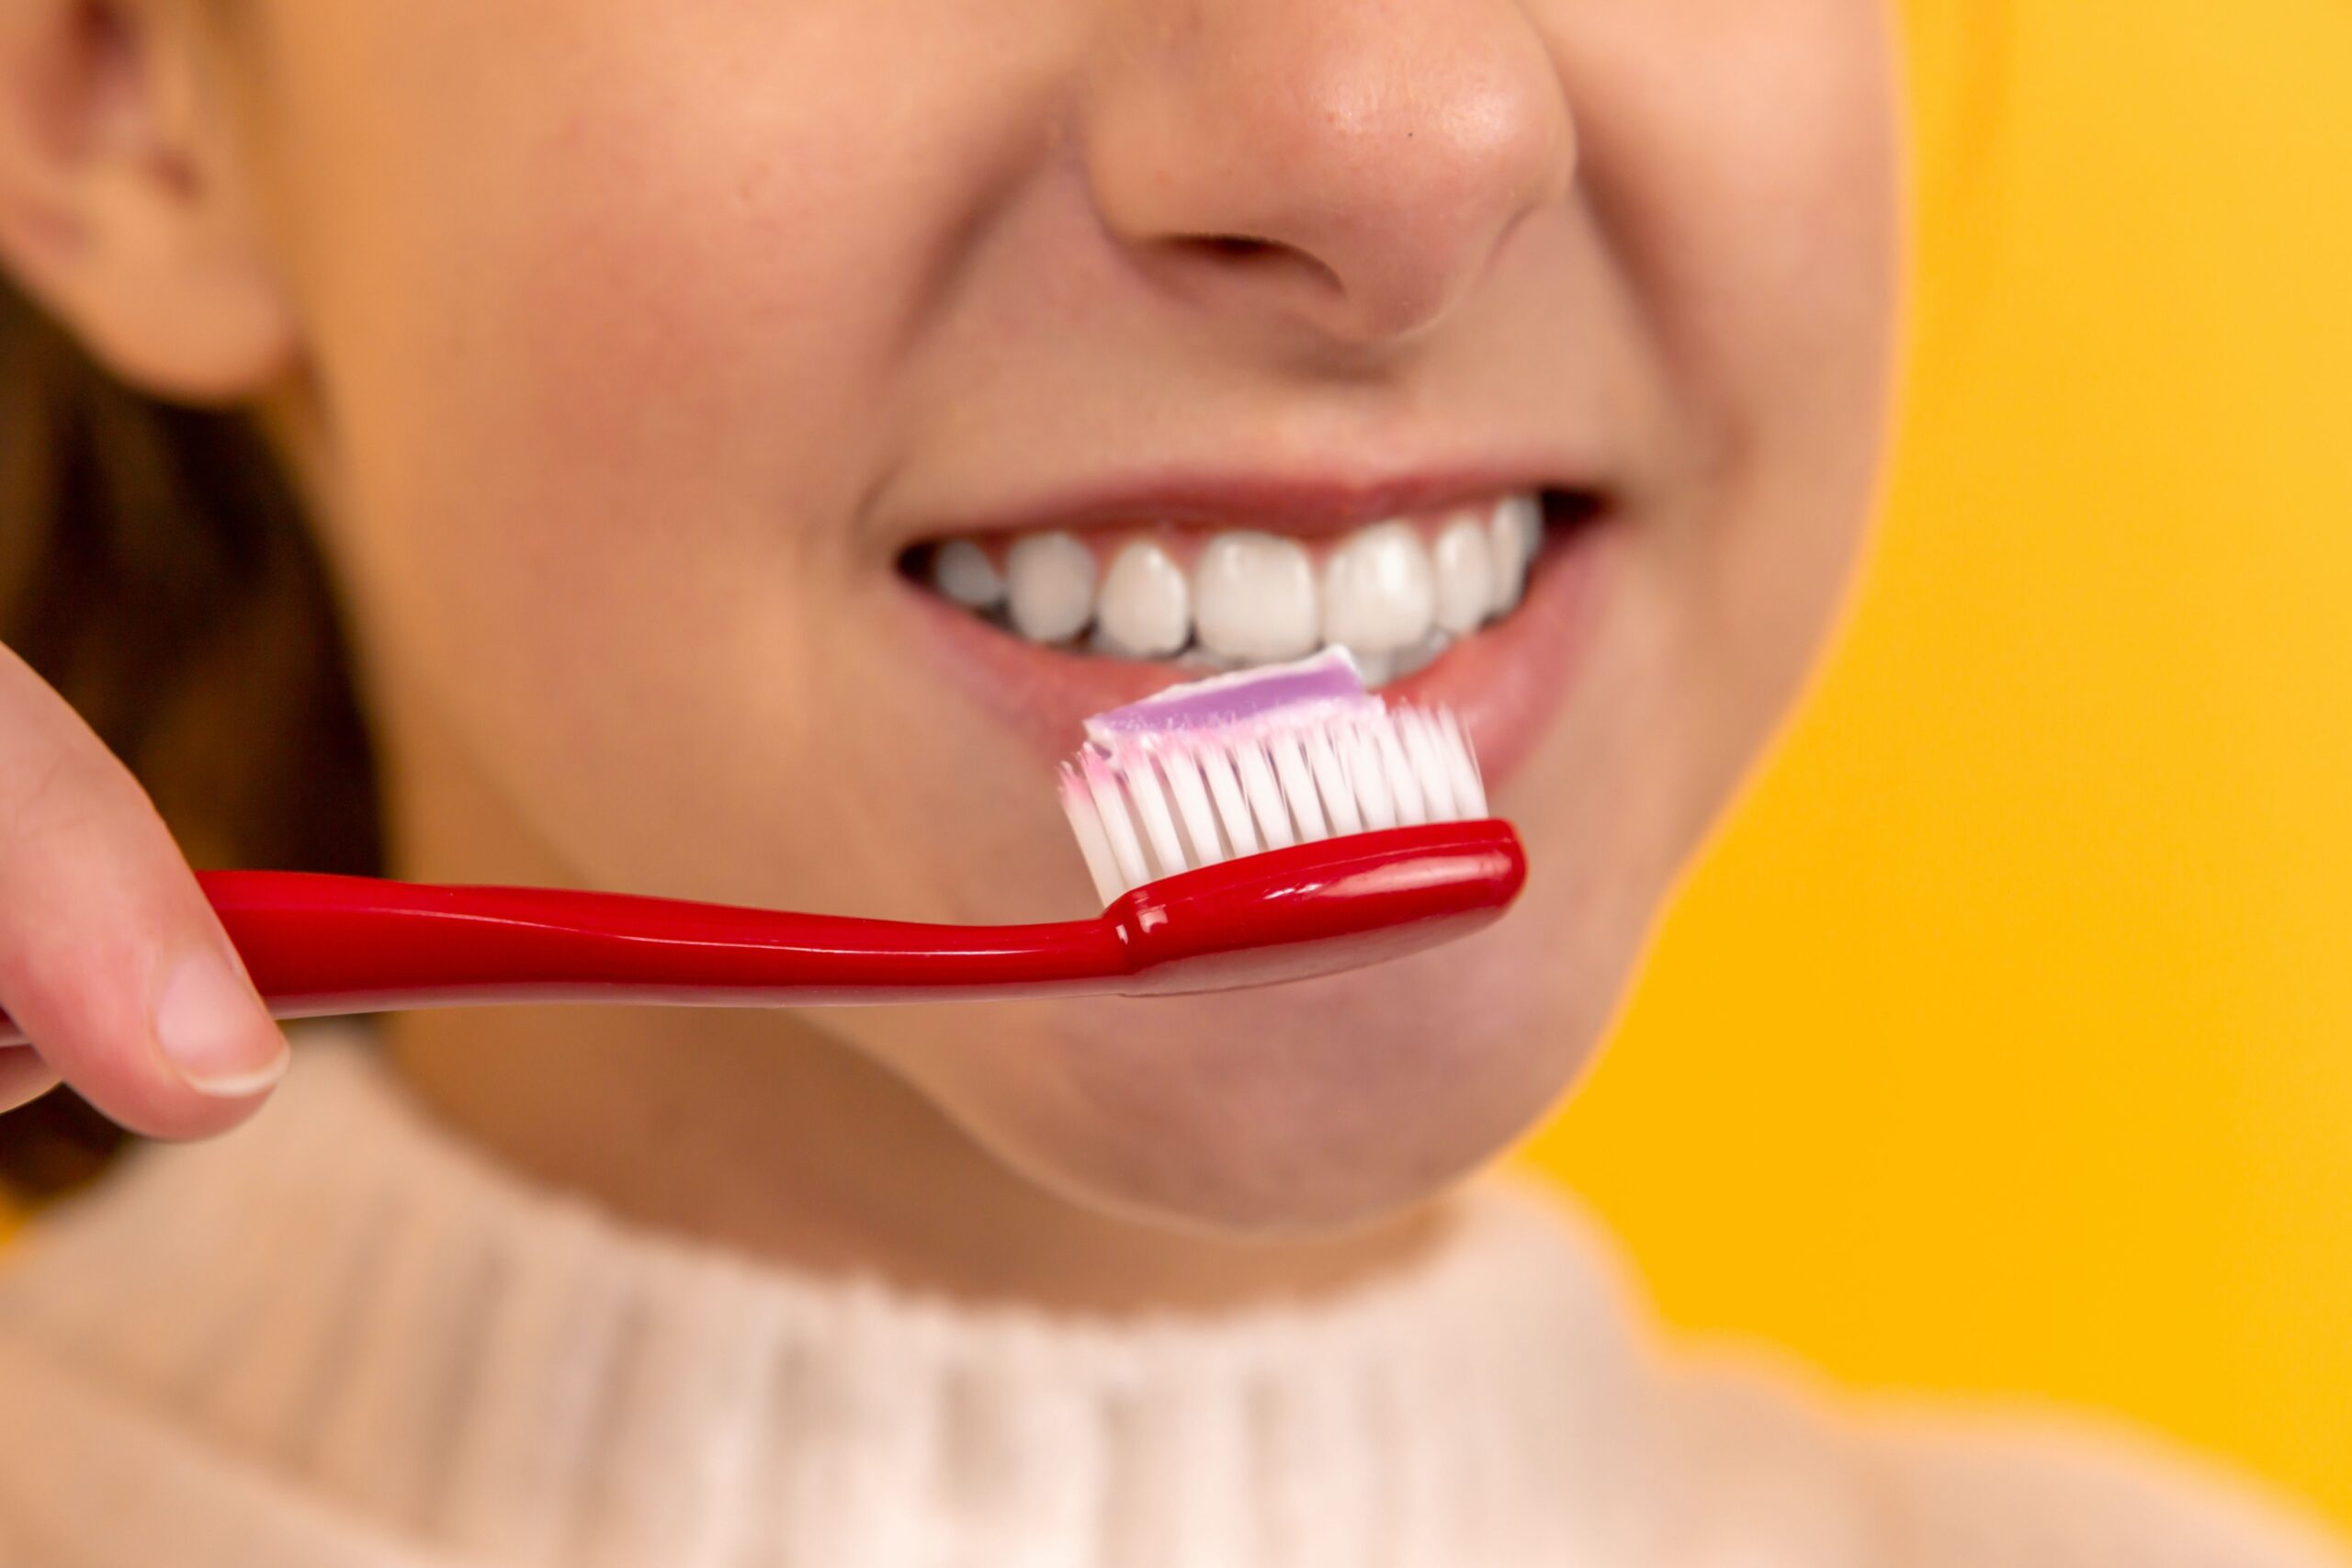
<point>1352,167</point>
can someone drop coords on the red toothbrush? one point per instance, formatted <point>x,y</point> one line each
<point>1233,849</point>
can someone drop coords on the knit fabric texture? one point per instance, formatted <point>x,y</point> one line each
<point>340,1338</point>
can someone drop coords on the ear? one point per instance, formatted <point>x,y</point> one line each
<point>123,203</point>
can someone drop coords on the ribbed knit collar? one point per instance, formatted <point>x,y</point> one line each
<point>373,1320</point>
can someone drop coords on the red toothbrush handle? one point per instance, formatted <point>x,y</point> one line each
<point>318,945</point>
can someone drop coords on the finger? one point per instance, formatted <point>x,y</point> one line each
<point>111,962</point>
<point>24,1077</point>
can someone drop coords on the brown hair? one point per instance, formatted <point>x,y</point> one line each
<point>156,570</point>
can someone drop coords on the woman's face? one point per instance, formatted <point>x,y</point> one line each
<point>651,349</point>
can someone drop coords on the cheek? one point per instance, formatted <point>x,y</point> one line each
<point>1741,160</point>
<point>608,355</point>
<point>630,319</point>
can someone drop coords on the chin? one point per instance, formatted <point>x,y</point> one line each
<point>1305,1111</point>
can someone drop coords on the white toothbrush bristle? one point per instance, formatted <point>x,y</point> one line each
<point>1225,790</point>
<point>1369,779</point>
<point>1193,803</point>
<point>1265,796</point>
<point>1298,788</point>
<point>1147,806</point>
<point>1109,790</point>
<point>1412,807</point>
<point>1151,805</point>
<point>1332,784</point>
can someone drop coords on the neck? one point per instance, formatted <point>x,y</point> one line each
<point>762,1133</point>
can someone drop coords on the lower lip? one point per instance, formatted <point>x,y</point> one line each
<point>1506,684</point>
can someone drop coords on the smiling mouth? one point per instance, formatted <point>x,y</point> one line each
<point>1397,594</point>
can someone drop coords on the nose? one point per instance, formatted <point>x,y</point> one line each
<point>1353,166</point>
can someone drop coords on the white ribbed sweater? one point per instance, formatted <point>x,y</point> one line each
<point>340,1340</point>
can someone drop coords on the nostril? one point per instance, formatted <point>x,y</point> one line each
<point>1250,255</point>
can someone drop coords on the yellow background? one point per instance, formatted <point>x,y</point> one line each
<point>2005,1044</point>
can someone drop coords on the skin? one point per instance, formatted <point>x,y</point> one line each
<point>624,348</point>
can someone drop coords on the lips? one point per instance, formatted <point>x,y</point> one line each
<point>1472,601</point>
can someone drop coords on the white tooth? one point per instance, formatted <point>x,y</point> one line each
<point>1379,670</point>
<point>1419,657</point>
<point>1253,598</point>
<point>1051,582</point>
<point>1145,607</point>
<point>1466,576</point>
<point>1515,531</point>
<point>1378,595</point>
<point>962,571</point>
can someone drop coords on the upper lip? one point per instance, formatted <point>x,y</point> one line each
<point>1272,502</point>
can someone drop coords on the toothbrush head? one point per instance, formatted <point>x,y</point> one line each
<point>1284,822</point>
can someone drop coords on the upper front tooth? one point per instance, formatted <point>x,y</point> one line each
<point>1378,595</point>
<point>1145,605</point>
<point>1050,580</point>
<point>1466,576</point>
<point>1253,598</point>
<point>962,571</point>
<point>1516,532</point>
<point>1413,660</point>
